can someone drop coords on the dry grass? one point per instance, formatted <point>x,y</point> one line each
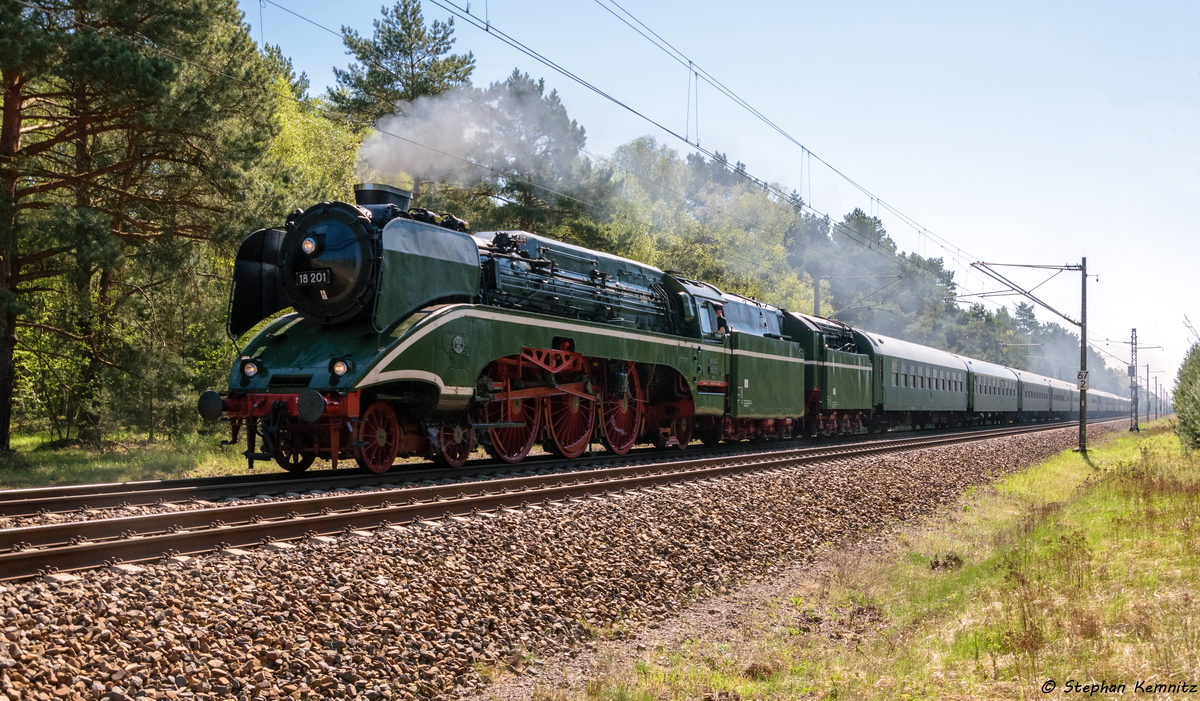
<point>1071,570</point>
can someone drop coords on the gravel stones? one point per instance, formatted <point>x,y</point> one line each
<point>420,612</point>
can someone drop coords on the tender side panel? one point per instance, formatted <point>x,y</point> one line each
<point>845,381</point>
<point>766,378</point>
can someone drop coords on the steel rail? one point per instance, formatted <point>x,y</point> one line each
<point>59,500</point>
<point>153,536</point>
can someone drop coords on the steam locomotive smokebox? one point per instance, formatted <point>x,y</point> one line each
<point>378,193</point>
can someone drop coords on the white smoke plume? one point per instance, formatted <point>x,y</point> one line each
<point>433,139</point>
<point>511,129</point>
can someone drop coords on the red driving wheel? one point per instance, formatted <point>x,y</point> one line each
<point>571,420</point>
<point>622,414</point>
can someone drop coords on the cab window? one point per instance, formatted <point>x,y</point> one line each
<point>706,319</point>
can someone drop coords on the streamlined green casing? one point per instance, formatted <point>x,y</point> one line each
<point>423,263</point>
<point>295,353</point>
<point>483,334</point>
<point>428,330</point>
<point>448,347</point>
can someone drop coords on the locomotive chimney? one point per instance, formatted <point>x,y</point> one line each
<point>378,193</point>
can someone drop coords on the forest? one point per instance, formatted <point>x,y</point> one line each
<point>137,150</point>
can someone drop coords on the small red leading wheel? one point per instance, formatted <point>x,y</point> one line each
<point>377,438</point>
<point>291,454</point>
<point>453,443</point>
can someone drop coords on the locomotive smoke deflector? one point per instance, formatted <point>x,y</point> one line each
<point>257,291</point>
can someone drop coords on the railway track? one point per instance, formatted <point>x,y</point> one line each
<point>95,498</point>
<point>64,547</point>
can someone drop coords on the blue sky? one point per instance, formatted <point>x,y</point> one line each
<point>1022,132</point>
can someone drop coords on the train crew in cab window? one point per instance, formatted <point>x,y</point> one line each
<point>712,322</point>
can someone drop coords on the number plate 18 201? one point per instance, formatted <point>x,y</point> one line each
<point>312,277</point>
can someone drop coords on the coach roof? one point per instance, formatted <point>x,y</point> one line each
<point>876,344</point>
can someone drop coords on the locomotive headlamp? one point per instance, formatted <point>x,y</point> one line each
<point>309,245</point>
<point>249,368</point>
<point>341,366</point>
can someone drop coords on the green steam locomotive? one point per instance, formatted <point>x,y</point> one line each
<point>412,337</point>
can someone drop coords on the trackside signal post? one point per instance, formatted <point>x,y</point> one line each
<point>1083,371</point>
<point>1082,324</point>
<point>1133,407</point>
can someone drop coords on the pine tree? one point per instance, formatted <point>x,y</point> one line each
<point>533,145</point>
<point>1187,400</point>
<point>126,137</point>
<point>404,60</point>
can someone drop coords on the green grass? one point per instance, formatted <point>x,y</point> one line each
<point>123,459</point>
<point>1072,569</point>
<point>130,458</point>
